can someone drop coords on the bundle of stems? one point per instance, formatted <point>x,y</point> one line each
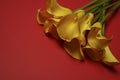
<point>102,9</point>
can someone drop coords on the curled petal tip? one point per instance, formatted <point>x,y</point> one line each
<point>38,18</point>
<point>57,10</point>
<point>97,24</point>
<point>109,58</point>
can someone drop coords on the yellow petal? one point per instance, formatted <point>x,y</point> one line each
<point>80,13</point>
<point>68,27</point>
<point>50,28</point>
<point>85,22</point>
<point>42,16</point>
<point>95,40</point>
<point>57,10</point>
<point>74,49</point>
<point>98,25</point>
<point>109,58</point>
<point>84,25</point>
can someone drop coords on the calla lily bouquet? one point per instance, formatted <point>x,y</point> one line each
<point>81,30</point>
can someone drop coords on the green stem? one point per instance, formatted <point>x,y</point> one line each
<point>105,16</point>
<point>90,4</point>
<point>94,2</point>
<point>103,9</point>
<point>103,29</point>
<point>96,18</point>
<point>103,22</point>
<point>111,11</point>
<point>100,4</point>
<point>92,10</point>
<point>117,2</point>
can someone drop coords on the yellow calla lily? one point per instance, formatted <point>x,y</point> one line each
<point>51,16</point>
<point>109,58</point>
<point>68,27</point>
<point>74,49</point>
<point>94,38</point>
<point>57,10</point>
<point>96,43</point>
<point>101,51</point>
<point>70,30</point>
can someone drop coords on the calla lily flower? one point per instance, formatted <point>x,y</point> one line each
<point>109,58</point>
<point>57,10</point>
<point>51,16</point>
<point>74,49</point>
<point>68,27</point>
<point>94,38</point>
<point>96,43</point>
<point>72,29</point>
<point>53,11</point>
<point>97,47</point>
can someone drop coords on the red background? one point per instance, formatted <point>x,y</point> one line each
<point>27,54</point>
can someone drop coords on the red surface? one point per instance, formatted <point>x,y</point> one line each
<point>27,54</point>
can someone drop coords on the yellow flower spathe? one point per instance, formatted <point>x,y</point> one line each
<point>74,49</point>
<point>57,10</point>
<point>109,58</point>
<point>51,16</point>
<point>68,27</point>
<point>94,38</point>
